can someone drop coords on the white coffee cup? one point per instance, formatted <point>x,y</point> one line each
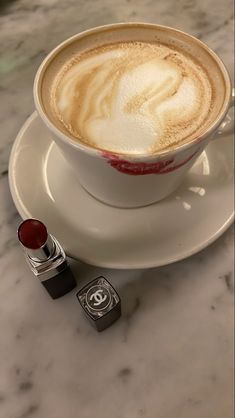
<point>132,180</point>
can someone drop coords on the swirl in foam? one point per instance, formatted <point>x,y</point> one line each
<point>132,98</point>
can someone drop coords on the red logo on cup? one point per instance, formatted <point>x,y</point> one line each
<point>137,169</point>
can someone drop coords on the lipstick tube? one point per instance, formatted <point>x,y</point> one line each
<point>46,258</point>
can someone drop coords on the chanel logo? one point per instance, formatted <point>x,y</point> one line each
<point>100,302</point>
<point>98,297</point>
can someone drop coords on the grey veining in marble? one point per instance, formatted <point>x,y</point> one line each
<point>171,353</point>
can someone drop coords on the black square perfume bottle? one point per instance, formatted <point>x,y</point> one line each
<point>101,303</point>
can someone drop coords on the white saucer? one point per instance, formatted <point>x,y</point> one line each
<point>43,187</point>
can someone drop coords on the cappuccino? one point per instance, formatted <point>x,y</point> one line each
<point>132,97</point>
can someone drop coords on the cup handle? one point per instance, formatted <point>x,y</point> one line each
<point>226,127</point>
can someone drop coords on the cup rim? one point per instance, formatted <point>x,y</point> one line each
<point>133,157</point>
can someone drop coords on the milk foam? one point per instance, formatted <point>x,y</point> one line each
<point>132,97</point>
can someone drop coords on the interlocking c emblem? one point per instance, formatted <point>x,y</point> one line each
<point>98,297</point>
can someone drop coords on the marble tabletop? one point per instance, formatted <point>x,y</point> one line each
<point>171,353</point>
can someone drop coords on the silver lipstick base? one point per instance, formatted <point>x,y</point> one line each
<point>49,264</point>
<point>45,252</point>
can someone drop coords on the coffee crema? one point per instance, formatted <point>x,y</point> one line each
<point>132,97</point>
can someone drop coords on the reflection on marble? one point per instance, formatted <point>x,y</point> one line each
<point>171,353</point>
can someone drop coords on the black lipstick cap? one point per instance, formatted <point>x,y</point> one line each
<point>100,302</point>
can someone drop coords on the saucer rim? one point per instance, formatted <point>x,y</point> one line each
<point>24,213</point>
